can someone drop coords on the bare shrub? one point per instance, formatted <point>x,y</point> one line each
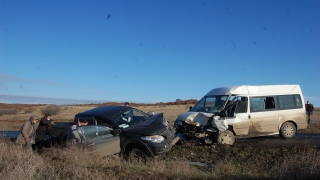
<point>8,112</point>
<point>28,111</point>
<point>51,109</point>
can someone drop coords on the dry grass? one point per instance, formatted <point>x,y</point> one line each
<point>224,162</point>
<point>71,163</point>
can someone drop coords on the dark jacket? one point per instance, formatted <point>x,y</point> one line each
<point>42,129</point>
<point>309,107</point>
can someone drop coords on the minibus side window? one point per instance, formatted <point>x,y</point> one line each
<point>289,101</point>
<point>269,103</point>
<point>242,105</point>
<point>262,103</point>
<point>257,103</point>
<point>298,101</point>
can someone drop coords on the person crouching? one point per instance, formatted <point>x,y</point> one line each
<point>27,134</point>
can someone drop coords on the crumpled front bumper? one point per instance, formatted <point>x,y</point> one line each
<point>170,140</point>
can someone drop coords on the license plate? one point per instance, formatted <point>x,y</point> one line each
<point>175,140</point>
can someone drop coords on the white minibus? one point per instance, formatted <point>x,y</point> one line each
<point>227,113</point>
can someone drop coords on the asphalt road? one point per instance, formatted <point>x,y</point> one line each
<point>302,140</point>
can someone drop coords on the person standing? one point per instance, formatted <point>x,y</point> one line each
<point>27,134</point>
<point>309,110</point>
<point>73,135</point>
<point>42,131</point>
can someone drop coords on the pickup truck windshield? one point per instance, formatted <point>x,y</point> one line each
<point>129,118</point>
<point>210,104</point>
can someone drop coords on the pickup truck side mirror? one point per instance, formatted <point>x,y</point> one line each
<point>151,113</point>
<point>116,131</point>
<point>190,108</point>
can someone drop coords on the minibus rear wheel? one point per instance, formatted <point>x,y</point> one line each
<point>288,130</point>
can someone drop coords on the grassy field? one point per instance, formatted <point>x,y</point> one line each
<point>13,120</point>
<point>216,162</point>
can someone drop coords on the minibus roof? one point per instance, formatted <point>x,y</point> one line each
<point>256,90</point>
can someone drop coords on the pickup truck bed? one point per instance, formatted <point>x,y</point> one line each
<point>9,134</point>
<point>57,133</point>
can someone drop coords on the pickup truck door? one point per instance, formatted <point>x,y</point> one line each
<point>98,139</point>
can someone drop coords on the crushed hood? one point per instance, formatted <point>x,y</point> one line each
<point>201,119</point>
<point>192,117</point>
<point>155,125</point>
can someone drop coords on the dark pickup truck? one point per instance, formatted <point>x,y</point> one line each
<point>125,130</point>
<point>116,129</point>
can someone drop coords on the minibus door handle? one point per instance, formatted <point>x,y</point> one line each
<point>249,116</point>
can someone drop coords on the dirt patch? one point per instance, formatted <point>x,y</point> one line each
<point>314,126</point>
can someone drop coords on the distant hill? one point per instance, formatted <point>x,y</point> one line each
<point>177,102</point>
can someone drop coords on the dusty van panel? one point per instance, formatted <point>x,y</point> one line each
<point>248,111</point>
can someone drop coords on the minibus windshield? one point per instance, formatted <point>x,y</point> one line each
<point>210,104</point>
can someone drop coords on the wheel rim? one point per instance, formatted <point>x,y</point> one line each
<point>137,155</point>
<point>288,130</point>
<point>226,139</point>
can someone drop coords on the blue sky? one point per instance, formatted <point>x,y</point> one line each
<point>79,51</point>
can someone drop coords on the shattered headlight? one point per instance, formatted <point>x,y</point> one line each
<point>154,138</point>
<point>164,122</point>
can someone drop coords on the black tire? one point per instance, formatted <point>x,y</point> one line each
<point>137,154</point>
<point>288,130</point>
<point>226,137</point>
<point>179,142</point>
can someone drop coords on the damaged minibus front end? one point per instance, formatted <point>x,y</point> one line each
<point>211,119</point>
<point>209,128</point>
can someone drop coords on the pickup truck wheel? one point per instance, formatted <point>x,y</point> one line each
<point>137,154</point>
<point>226,137</point>
<point>288,130</point>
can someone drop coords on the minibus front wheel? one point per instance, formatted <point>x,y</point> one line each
<point>226,137</point>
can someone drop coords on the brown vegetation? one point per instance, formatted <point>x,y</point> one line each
<point>51,109</point>
<point>221,162</point>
